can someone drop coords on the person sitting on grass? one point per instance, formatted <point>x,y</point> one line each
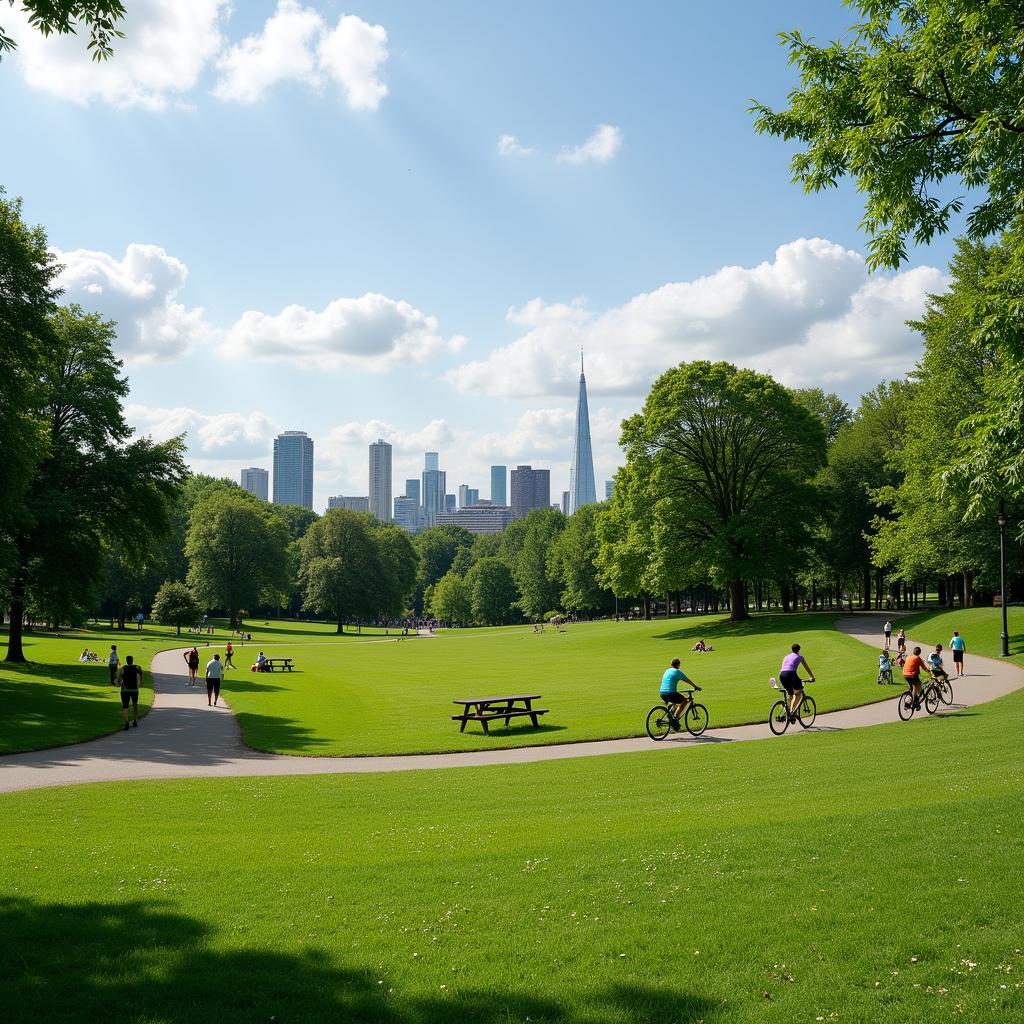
<point>884,669</point>
<point>670,694</point>
<point>912,669</point>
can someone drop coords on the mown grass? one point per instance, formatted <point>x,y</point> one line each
<point>597,680</point>
<point>980,628</point>
<point>871,875</point>
<point>55,699</point>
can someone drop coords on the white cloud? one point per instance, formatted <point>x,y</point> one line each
<point>604,144</point>
<point>296,44</point>
<point>166,46</point>
<point>139,293</point>
<point>374,331</point>
<point>811,315</point>
<point>509,145</point>
<point>228,435</point>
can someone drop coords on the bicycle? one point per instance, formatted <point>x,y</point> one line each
<point>779,717</point>
<point>660,718</point>
<point>930,696</point>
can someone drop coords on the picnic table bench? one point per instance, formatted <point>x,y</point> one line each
<point>278,664</point>
<point>486,709</point>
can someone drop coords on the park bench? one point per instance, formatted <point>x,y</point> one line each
<point>486,709</point>
<point>278,664</point>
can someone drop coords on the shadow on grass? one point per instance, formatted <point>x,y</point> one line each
<point>271,733</point>
<point>145,961</point>
<point>759,625</point>
<point>503,732</point>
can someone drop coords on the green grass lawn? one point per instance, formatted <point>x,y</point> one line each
<point>831,877</point>
<point>980,628</point>
<point>598,680</point>
<point>56,700</point>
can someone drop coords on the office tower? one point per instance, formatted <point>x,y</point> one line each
<point>581,470</point>
<point>531,488</point>
<point>352,503</point>
<point>255,481</point>
<point>380,480</point>
<point>450,503</point>
<point>480,517</point>
<point>412,490</point>
<point>499,495</point>
<point>293,469</point>
<point>608,486</point>
<point>474,495</point>
<point>565,503</point>
<point>468,495</point>
<point>408,514</point>
<point>434,484</point>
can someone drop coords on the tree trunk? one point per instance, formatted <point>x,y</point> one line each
<point>738,601</point>
<point>15,649</point>
<point>784,595</point>
<point>647,607</point>
<point>179,629</point>
<point>341,625</point>
<point>233,618</point>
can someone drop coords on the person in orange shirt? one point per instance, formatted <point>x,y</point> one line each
<point>912,669</point>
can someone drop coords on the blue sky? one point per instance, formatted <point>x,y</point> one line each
<point>405,218</point>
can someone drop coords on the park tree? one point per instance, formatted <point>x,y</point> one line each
<point>297,518</point>
<point>730,455</point>
<point>236,548</point>
<point>341,572</point>
<point>437,548</point>
<point>176,605</point>
<point>27,302</point>
<point>572,561</point>
<point>399,565</point>
<point>539,589</point>
<point>94,485</point>
<point>451,599</point>
<point>492,591</point>
<point>60,17</point>
<point>923,98</point>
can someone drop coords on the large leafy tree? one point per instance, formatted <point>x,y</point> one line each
<point>730,454</point>
<point>236,549</point>
<point>572,561</point>
<point>451,599</point>
<point>437,549</point>
<point>175,605</point>
<point>94,485</point>
<point>399,565</point>
<point>60,17</point>
<point>492,592</point>
<point>921,95</point>
<point>539,588</point>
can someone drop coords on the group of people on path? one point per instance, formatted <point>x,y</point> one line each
<point>215,669</point>
<point>913,665</point>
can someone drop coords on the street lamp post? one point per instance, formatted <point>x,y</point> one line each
<point>1004,637</point>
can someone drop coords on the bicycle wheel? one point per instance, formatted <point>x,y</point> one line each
<point>659,722</point>
<point>946,691</point>
<point>931,700</point>
<point>905,703</point>
<point>696,719</point>
<point>778,717</point>
<point>807,711</point>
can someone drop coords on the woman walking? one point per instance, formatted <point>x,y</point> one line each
<point>192,660</point>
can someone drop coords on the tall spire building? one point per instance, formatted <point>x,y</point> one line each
<point>582,490</point>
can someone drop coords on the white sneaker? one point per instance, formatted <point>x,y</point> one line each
<point>774,684</point>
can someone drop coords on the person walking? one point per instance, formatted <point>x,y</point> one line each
<point>214,674</point>
<point>139,620</point>
<point>959,648</point>
<point>130,678</point>
<point>192,660</point>
<point>228,654</point>
<point>887,630</point>
<point>901,641</point>
<point>112,664</point>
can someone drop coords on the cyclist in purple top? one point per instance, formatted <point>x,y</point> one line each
<point>791,681</point>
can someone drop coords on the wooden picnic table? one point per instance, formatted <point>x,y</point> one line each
<point>278,664</point>
<point>486,709</point>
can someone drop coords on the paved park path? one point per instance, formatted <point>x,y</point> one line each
<point>183,738</point>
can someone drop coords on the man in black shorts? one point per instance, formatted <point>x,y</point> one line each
<point>131,679</point>
<point>214,674</point>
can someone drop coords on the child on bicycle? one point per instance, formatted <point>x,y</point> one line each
<point>935,661</point>
<point>884,668</point>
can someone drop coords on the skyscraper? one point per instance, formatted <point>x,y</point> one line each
<point>608,487</point>
<point>468,495</point>
<point>380,480</point>
<point>408,514</point>
<point>255,481</point>
<point>499,495</point>
<point>412,490</point>
<point>434,484</point>
<point>531,488</point>
<point>293,469</point>
<point>565,503</point>
<point>582,490</point>
<point>354,503</point>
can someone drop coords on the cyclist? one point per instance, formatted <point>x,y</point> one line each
<point>670,694</point>
<point>935,661</point>
<point>912,669</point>
<point>791,681</point>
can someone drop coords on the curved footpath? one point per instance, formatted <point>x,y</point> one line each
<point>183,738</point>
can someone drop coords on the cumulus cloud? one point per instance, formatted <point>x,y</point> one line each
<point>374,331</point>
<point>297,44</point>
<point>509,145</point>
<point>165,49</point>
<point>227,435</point>
<point>139,292</point>
<point>812,315</point>
<point>604,144</point>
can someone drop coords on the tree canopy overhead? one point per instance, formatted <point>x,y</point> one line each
<point>923,97</point>
<point>60,17</point>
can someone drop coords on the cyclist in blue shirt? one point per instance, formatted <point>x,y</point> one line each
<point>670,691</point>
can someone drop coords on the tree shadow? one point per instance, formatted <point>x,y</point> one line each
<point>758,625</point>
<point>147,961</point>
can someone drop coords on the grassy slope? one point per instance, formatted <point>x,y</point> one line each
<point>598,680</point>
<point>980,628</point>
<point>652,887</point>
<point>57,700</point>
